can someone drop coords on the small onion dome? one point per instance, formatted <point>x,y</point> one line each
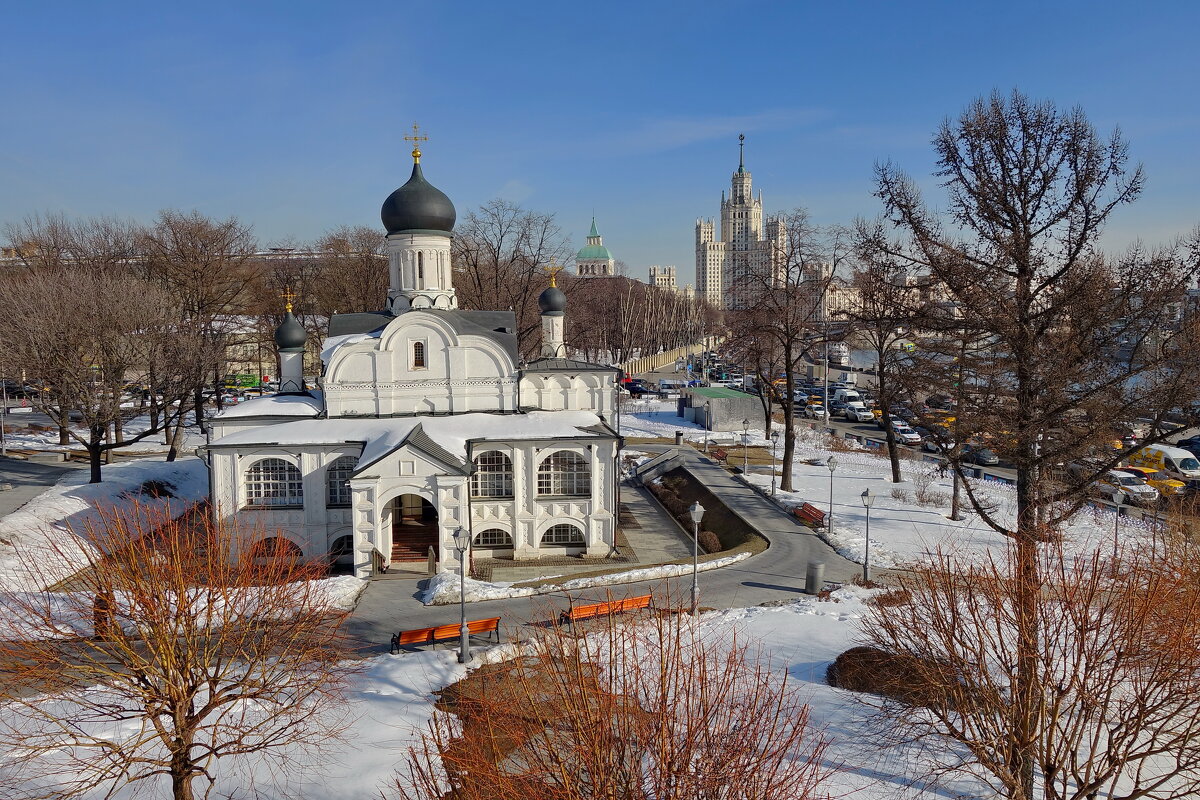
<point>417,206</point>
<point>552,302</point>
<point>290,336</point>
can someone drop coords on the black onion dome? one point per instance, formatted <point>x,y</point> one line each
<point>417,206</point>
<point>552,302</point>
<point>291,334</point>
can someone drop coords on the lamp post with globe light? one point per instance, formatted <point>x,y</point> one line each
<point>461,542</point>
<point>746,447</point>
<point>697,513</point>
<point>832,464</point>
<point>867,499</point>
<point>774,443</point>
<point>1119,498</point>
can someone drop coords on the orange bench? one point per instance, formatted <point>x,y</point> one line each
<point>576,613</point>
<point>810,515</point>
<point>442,632</point>
<point>720,455</point>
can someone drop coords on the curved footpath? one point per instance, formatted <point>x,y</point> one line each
<point>776,574</point>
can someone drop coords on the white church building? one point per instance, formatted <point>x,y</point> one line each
<point>425,420</point>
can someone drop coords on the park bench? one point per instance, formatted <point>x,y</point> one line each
<point>810,515</point>
<point>443,632</point>
<point>720,455</point>
<point>576,613</point>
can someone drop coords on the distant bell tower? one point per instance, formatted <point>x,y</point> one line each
<point>552,303</point>
<point>419,219</point>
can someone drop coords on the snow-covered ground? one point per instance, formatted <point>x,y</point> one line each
<point>20,437</point>
<point>392,699</point>
<point>29,535</point>
<point>902,531</point>
<point>443,588</point>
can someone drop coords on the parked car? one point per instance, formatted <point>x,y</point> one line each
<point>814,411</point>
<point>1135,490</point>
<point>638,387</point>
<point>940,402</point>
<point>1161,481</point>
<point>980,456</point>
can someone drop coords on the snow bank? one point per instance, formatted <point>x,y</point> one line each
<point>443,588</point>
<point>70,614</point>
<point>28,536</point>
<point>277,405</point>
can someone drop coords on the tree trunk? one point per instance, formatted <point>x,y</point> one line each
<point>198,405</point>
<point>95,452</point>
<point>64,438</point>
<point>955,500</point>
<point>885,400</point>
<point>174,439</point>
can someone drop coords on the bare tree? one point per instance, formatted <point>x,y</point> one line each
<point>118,337</point>
<point>1116,683</point>
<point>353,270</point>
<point>198,652</point>
<point>633,711</point>
<point>783,306</point>
<point>202,263</point>
<point>885,308</point>
<point>1077,340</point>
<point>500,252</point>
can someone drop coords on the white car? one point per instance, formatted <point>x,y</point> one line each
<point>857,412</point>
<point>1135,489</point>
<point>905,434</point>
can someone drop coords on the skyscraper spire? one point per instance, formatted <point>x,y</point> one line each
<point>741,146</point>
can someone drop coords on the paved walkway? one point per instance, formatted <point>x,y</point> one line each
<point>776,574</point>
<point>28,479</point>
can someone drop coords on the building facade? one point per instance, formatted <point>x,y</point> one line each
<point>424,421</point>
<point>731,268</point>
<point>663,278</point>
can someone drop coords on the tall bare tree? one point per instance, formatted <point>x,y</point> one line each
<point>353,270</point>
<point>202,263</point>
<point>1078,340</point>
<point>92,358</point>
<point>500,252</point>
<point>783,306</point>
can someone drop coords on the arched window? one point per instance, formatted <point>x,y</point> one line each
<point>274,483</point>
<point>564,534</point>
<point>564,474</point>
<point>493,537</point>
<point>418,359</point>
<point>493,475</point>
<point>277,547</point>
<point>337,482</point>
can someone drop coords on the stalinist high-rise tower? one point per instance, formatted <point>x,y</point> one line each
<point>730,270</point>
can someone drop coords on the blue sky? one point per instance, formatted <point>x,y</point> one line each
<point>291,115</point>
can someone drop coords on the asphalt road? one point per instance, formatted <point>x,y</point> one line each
<point>28,479</point>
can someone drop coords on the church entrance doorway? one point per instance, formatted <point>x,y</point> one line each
<point>414,527</point>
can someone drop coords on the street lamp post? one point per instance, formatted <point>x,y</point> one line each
<point>461,543</point>
<point>774,442</point>
<point>745,447</point>
<point>832,463</point>
<point>707,422</point>
<point>697,512</point>
<point>1119,498</point>
<point>867,499</point>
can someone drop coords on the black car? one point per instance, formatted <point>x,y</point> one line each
<point>1191,444</point>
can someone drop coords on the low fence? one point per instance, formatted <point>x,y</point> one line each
<point>649,363</point>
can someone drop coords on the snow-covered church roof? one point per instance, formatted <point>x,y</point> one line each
<point>450,433</point>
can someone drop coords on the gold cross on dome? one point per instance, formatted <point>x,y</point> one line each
<point>416,139</point>
<point>289,297</point>
<point>553,271</point>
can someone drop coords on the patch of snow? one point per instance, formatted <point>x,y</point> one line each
<point>29,536</point>
<point>332,343</point>
<point>277,405</point>
<point>443,588</point>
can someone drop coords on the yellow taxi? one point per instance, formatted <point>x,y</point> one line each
<point>1166,485</point>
